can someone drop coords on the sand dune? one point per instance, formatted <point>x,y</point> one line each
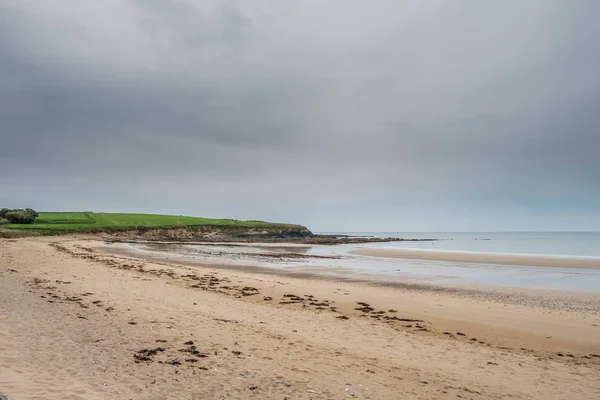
<point>79,324</point>
<point>505,259</point>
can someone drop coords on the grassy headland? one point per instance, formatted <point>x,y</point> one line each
<point>172,228</point>
<point>52,223</point>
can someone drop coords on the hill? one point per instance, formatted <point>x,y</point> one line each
<point>49,223</point>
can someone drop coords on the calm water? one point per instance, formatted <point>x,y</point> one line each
<point>441,273</point>
<point>585,244</point>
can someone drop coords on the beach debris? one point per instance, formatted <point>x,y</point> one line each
<point>342,317</point>
<point>242,374</point>
<point>3,397</point>
<point>288,384</point>
<point>147,354</point>
<point>227,320</point>
<point>394,318</point>
<point>366,308</point>
<point>193,351</point>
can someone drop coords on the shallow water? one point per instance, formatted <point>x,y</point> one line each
<point>440,273</point>
<point>539,243</point>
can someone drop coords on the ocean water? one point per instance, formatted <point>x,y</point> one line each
<point>447,273</point>
<point>439,273</point>
<point>578,244</point>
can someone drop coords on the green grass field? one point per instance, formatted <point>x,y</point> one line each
<point>66,222</point>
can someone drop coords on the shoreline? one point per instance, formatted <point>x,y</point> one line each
<point>83,324</point>
<point>585,302</point>
<point>482,258</point>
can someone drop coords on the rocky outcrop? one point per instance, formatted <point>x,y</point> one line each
<point>223,234</point>
<point>214,233</point>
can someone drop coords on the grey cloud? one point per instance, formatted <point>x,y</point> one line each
<point>316,113</point>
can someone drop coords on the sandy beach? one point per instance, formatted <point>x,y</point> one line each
<point>79,323</point>
<point>506,259</point>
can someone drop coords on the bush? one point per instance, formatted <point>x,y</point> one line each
<point>20,216</point>
<point>3,212</point>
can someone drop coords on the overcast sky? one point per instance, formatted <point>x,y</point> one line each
<point>346,115</point>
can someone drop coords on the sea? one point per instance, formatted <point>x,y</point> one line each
<point>577,244</point>
<point>574,245</point>
<point>338,261</point>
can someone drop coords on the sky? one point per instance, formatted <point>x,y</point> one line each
<point>342,115</point>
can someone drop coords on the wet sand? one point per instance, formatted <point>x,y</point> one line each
<point>483,258</point>
<point>81,324</point>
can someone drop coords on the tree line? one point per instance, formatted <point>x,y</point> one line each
<point>18,216</point>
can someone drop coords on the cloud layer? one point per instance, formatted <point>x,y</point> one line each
<point>342,115</point>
